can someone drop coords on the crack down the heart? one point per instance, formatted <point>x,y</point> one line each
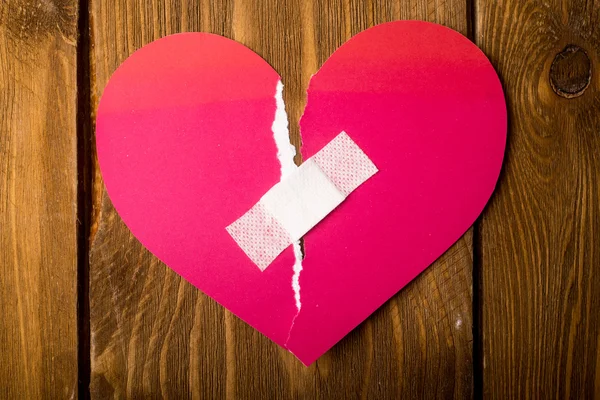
<point>285,154</point>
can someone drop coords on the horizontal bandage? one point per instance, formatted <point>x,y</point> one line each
<point>296,204</point>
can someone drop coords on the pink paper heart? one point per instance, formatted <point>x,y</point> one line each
<point>186,146</point>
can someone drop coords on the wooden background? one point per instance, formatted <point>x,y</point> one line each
<point>510,311</point>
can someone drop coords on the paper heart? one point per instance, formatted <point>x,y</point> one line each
<point>186,146</point>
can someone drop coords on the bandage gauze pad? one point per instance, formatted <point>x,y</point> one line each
<point>296,204</point>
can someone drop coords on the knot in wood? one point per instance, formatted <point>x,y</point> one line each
<point>571,72</point>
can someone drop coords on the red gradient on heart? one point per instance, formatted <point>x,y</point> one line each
<point>185,146</point>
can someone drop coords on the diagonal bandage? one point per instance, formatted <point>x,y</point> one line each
<point>296,204</point>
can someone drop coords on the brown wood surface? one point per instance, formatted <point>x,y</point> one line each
<point>535,265</point>
<point>540,236</point>
<point>153,334</point>
<point>38,199</point>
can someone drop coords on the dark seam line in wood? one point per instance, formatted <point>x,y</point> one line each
<point>477,306</point>
<point>472,20</point>
<point>84,198</point>
<point>477,314</point>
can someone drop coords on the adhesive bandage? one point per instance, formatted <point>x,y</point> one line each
<point>295,205</point>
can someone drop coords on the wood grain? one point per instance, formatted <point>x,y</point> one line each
<point>153,334</point>
<point>540,235</point>
<point>38,199</point>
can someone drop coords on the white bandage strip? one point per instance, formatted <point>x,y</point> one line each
<point>296,204</point>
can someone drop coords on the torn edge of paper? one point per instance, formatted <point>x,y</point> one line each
<point>285,154</point>
<point>285,149</point>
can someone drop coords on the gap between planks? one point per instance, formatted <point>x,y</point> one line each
<point>85,164</point>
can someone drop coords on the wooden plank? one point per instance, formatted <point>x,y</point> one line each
<point>540,235</point>
<point>154,334</point>
<point>38,199</point>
